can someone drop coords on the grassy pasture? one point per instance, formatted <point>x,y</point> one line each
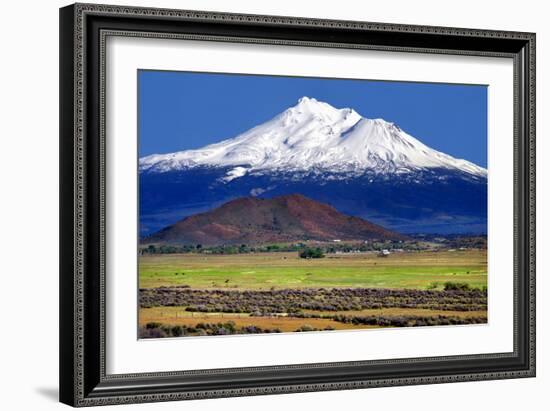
<point>219,275</point>
<point>414,270</point>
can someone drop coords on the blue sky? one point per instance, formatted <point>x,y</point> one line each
<point>181,110</point>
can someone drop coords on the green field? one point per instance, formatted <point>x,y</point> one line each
<point>412,270</point>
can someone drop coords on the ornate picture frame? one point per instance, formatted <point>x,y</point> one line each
<point>84,30</point>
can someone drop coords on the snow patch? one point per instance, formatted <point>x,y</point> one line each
<point>235,173</point>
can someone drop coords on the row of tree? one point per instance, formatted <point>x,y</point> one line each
<point>296,247</point>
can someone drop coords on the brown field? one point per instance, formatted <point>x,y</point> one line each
<point>177,316</point>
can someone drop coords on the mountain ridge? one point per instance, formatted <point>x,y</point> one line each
<point>253,221</point>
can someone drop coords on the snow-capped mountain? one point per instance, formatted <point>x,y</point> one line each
<point>363,167</point>
<point>314,136</point>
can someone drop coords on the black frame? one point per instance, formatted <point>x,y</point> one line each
<point>83,30</point>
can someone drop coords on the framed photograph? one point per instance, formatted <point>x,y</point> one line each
<point>261,204</point>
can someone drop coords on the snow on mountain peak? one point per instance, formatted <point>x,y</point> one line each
<point>311,105</point>
<point>305,100</point>
<point>313,135</point>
